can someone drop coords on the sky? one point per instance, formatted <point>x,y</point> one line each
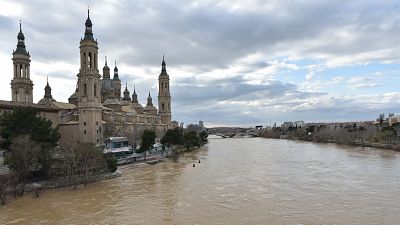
<point>230,62</point>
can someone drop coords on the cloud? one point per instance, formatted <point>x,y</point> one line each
<point>230,62</point>
<point>362,82</point>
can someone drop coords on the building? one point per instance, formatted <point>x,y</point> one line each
<point>96,109</point>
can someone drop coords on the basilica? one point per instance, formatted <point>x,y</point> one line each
<point>95,110</point>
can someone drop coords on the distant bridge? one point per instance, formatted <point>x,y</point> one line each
<point>231,135</point>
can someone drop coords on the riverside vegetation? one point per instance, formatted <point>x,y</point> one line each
<point>379,135</point>
<point>32,153</point>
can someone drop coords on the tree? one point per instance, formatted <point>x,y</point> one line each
<point>172,137</point>
<point>148,140</point>
<point>23,159</point>
<point>203,137</point>
<point>91,160</point>
<point>191,139</point>
<point>26,121</point>
<point>6,180</point>
<point>81,160</point>
<point>111,162</point>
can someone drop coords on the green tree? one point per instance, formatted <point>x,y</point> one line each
<point>173,137</point>
<point>203,137</point>
<point>148,140</point>
<point>111,162</point>
<point>191,139</point>
<point>26,121</point>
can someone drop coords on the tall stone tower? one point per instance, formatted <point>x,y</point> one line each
<point>89,99</point>
<point>21,84</point>
<point>117,82</point>
<point>164,96</point>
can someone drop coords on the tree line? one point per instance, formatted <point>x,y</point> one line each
<point>32,151</point>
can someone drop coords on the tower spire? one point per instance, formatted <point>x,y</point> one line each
<point>163,66</point>
<point>88,28</point>
<point>106,59</point>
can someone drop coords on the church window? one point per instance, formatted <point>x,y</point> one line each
<point>20,71</point>
<point>97,140</point>
<point>16,96</point>
<point>97,123</point>
<point>84,131</point>
<point>84,123</point>
<point>90,60</point>
<point>84,90</point>
<point>162,85</point>
<point>95,90</point>
<point>165,85</point>
<point>84,60</point>
<point>169,107</point>
<point>26,96</point>
<point>162,106</point>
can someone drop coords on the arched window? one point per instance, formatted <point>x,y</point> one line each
<point>26,96</point>
<point>84,90</point>
<point>20,71</point>
<point>16,96</point>
<point>162,85</point>
<point>162,106</point>
<point>84,60</point>
<point>90,60</point>
<point>95,91</point>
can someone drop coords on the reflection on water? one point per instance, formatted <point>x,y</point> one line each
<point>239,181</point>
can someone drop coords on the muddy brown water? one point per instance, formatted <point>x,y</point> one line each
<point>239,181</point>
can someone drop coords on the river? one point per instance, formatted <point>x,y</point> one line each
<point>239,181</point>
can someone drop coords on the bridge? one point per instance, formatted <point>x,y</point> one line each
<point>232,135</point>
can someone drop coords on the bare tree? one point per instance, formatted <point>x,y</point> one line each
<point>91,160</point>
<point>6,180</point>
<point>81,160</point>
<point>23,159</point>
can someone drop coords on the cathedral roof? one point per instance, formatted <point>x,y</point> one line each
<point>112,101</point>
<point>45,101</point>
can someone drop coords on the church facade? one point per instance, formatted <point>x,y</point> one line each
<point>96,109</point>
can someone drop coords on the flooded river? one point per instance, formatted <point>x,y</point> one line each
<point>239,181</point>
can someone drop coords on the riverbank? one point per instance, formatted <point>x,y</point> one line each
<point>350,144</point>
<point>65,182</point>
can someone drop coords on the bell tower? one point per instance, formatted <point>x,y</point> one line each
<point>89,97</point>
<point>21,84</point>
<point>164,97</point>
